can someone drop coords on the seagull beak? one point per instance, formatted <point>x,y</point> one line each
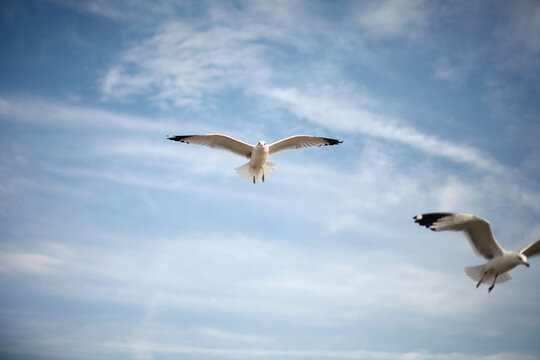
<point>527,264</point>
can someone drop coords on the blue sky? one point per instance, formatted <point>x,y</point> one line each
<point>119,244</point>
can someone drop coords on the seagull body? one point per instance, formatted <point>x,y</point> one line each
<point>478,232</point>
<point>258,162</point>
<point>258,166</point>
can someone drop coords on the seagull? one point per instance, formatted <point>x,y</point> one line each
<point>257,167</point>
<point>478,232</point>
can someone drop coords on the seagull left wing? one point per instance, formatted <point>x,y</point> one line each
<point>217,141</point>
<point>476,229</point>
<point>532,250</point>
<point>299,142</point>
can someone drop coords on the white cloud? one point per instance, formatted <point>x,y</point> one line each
<point>339,114</point>
<point>524,24</point>
<point>230,337</point>
<point>243,353</point>
<point>32,263</point>
<point>394,18</point>
<point>181,63</point>
<point>118,84</point>
<point>331,109</point>
<point>174,181</point>
<point>279,279</point>
<point>51,113</point>
<point>455,195</point>
<point>125,10</point>
<point>444,70</point>
<point>339,289</point>
<point>175,160</point>
<point>125,177</point>
<point>186,61</point>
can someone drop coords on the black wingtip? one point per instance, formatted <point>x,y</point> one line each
<point>427,220</point>
<point>332,141</point>
<point>178,137</point>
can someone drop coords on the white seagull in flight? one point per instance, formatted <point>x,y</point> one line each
<point>478,232</point>
<point>258,167</point>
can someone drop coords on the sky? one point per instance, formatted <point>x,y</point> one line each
<point>116,243</point>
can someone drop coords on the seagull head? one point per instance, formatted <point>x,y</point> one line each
<point>261,143</point>
<point>524,260</point>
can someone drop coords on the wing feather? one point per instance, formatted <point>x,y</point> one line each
<point>300,142</point>
<point>532,250</point>
<point>217,141</point>
<point>477,230</point>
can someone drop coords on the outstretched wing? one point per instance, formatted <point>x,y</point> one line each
<point>532,250</point>
<point>217,141</point>
<point>476,229</point>
<point>299,142</point>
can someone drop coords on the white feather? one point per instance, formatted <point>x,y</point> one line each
<point>476,272</point>
<point>247,171</point>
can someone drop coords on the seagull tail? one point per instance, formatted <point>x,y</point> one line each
<point>247,171</point>
<point>504,277</point>
<point>269,167</point>
<point>476,272</point>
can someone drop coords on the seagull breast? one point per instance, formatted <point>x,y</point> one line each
<point>507,261</point>
<point>259,154</point>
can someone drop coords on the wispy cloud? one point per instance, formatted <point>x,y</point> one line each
<point>34,263</point>
<point>445,70</point>
<point>394,18</point>
<point>333,111</point>
<point>52,113</point>
<point>340,114</point>
<point>242,353</point>
<point>125,10</point>
<point>337,111</point>
<point>231,337</point>
<point>279,281</point>
<point>290,287</point>
<point>180,63</point>
<point>524,25</point>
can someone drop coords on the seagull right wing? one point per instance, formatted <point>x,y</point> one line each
<point>532,250</point>
<point>300,142</point>
<point>476,229</point>
<point>217,141</point>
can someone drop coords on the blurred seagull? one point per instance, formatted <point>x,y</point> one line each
<point>257,167</point>
<point>478,232</point>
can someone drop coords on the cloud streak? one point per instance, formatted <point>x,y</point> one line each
<point>160,348</point>
<point>186,61</point>
<point>339,115</point>
<point>50,113</point>
<point>180,64</point>
<point>12,262</point>
<point>394,18</point>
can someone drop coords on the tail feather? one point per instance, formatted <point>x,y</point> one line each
<point>504,277</point>
<point>269,167</point>
<point>476,272</point>
<point>247,171</point>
